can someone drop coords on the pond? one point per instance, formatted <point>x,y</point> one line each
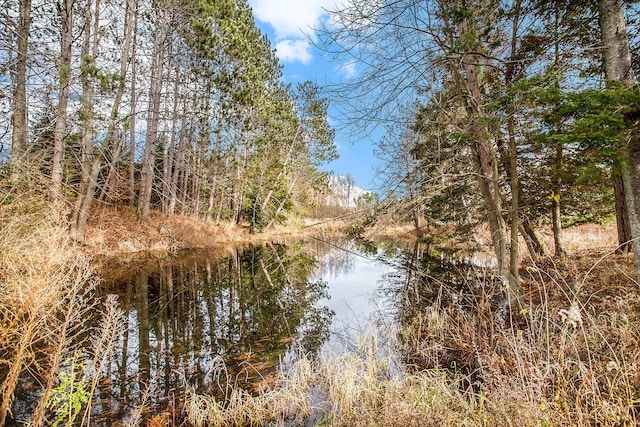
<point>245,310</point>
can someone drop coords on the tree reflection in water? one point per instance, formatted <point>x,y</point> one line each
<point>438,295</point>
<point>247,307</point>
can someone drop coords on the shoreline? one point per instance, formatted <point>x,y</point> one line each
<point>116,231</point>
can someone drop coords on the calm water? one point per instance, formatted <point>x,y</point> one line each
<point>207,320</point>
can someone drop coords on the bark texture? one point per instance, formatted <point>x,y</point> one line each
<point>20,135</point>
<point>60,129</point>
<point>617,65</point>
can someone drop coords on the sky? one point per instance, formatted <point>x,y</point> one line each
<point>289,25</point>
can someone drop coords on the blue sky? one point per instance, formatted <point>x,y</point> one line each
<point>289,25</point>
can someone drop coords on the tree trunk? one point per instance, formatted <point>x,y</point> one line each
<point>184,179</point>
<point>90,160</point>
<point>514,247</point>
<point>169,148</point>
<point>631,182</point>
<point>559,158</point>
<point>486,168</point>
<point>216,160</point>
<point>292,185</point>
<point>173,188</point>
<point>153,118</point>
<point>282,170</point>
<point>110,138</point>
<point>560,252</point>
<point>617,65</point>
<point>242,167</point>
<point>485,164</point>
<point>116,152</point>
<point>20,134</point>
<point>195,183</point>
<point>616,55</point>
<point>531,237</point>
<point>133,112</point>
<point>622,213</point>
<point>85,196</point>
<point>60,129</point>
<point>557,226</point>
<point>222,202</point>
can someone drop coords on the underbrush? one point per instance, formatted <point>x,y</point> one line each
<point>569,358</point>
<point>45,296</point>
<point>116,230</point>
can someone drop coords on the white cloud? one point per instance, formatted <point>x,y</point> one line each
<point>291,18</point>
<point>347,70</point>
<point>294,50</point>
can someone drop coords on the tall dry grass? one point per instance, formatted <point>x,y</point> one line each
<point>289,400</point>
<point>356,388</point>
<point>45,293</point>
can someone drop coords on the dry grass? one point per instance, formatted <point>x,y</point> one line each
<point>594,237</point>
<point>369,387</point>
<point>549,373</point>
<point>117,230</point>
<point>365,387</point>
<point>45,293</point>
<point>289,399</point>
<point>571,358</point>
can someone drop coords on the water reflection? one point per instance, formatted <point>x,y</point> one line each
<point>255,306</point>
<point>354,273</point>
<point>426,275</point>
<point>188,311</point>
<point>437,294</point>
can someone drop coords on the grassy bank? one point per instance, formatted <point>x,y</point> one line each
<point>116,230</point>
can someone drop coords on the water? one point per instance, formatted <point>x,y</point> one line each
<point>208,320</point>
<point>245,308</point>
<point>196,315</point>
<point>355,277</point>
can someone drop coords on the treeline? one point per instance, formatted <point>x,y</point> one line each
<point>513,112</point>
<point>171,105</point>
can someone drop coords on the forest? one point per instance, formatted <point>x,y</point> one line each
<point>178,107</point>
<point>502,126</point>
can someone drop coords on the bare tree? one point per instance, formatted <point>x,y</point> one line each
<point>411,46</point>
<point>20,135</point>
<point>153,113</point>
<point>91,157</point>
<point>133,111</point>
<point>111,139</point>
<point>65,9</point>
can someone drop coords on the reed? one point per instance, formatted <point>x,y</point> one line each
<point>289,400</point>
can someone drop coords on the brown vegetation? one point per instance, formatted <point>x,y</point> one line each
<point>570,356</point>
<point>45,294</point>
<point>117,231</point>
